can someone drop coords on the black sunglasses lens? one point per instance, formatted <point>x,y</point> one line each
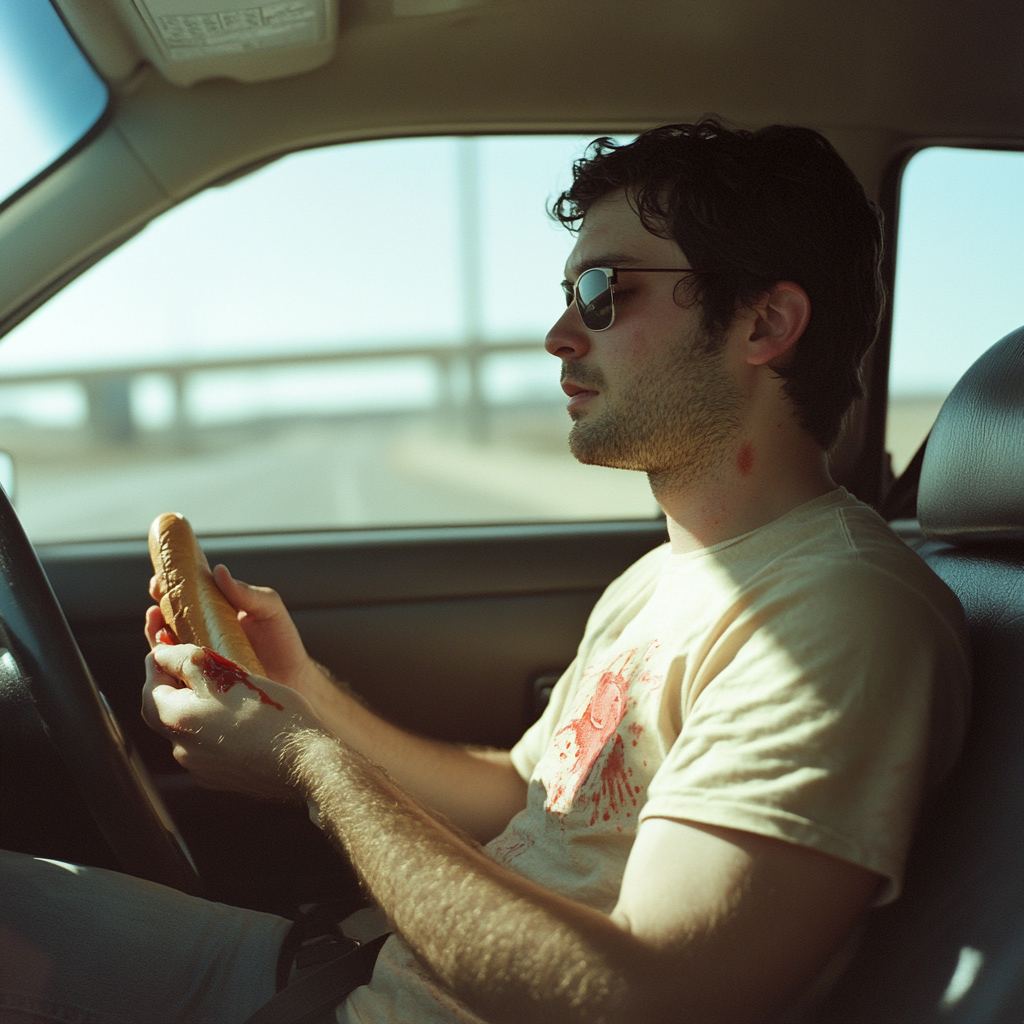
<point>594,293</point>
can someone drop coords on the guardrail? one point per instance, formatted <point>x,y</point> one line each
<point>108,389</point>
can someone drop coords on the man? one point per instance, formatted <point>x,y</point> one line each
<point>728,774</point>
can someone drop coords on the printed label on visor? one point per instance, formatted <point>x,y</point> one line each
<point>234,28</point>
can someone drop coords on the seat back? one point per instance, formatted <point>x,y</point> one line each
<point>951,949</point>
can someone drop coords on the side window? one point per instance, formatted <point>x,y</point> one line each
<point>959,279</point>
<point>350,337</point>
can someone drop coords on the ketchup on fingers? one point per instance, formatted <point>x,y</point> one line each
<point>224,674</point>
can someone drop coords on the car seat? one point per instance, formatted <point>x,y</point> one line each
<point>951,949</point>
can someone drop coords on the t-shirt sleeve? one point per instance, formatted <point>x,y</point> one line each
<point>813,716</point>
<point>532,744</point>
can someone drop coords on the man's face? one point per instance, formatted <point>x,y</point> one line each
<point>653,392</point>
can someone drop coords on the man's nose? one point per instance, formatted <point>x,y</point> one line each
<point>568,338</point>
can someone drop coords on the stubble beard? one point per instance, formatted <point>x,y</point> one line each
<point>674,421</point>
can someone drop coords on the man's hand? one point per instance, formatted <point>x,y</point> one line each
<point>268,626</point>
<point>479,790</point>
<point>228,728</point>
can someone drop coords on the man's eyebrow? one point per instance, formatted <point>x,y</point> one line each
<point>607,259</point>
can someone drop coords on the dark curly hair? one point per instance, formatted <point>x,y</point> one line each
<point>750,208</point>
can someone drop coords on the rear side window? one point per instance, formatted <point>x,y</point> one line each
<point>350,337</point>
<point>959,279</point>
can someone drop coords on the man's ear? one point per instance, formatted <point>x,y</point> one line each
<point>779,318</point>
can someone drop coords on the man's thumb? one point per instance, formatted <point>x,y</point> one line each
<point>258,602</point>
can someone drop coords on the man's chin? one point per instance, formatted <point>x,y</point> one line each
<point>580,445</point>
<point>587,445</point>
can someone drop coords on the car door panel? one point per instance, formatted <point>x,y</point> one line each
<point>458,670</point>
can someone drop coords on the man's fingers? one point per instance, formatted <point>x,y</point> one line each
<point>155,590</point>
<point>226,735</point>
<point>258,602</point>
<point>149,712</point>
<point>163,709</point>
<point>154,623</point>
<point>171,666</point>
<point>165,697</point>
<point>177,665</point>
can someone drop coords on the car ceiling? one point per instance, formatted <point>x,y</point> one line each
<point>879,78</point>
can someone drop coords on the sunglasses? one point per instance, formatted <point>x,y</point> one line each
<point>593,292</point>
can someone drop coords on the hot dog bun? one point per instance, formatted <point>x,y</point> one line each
<point>191,601</point>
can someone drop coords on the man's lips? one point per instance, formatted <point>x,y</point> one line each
<point>577,395</point>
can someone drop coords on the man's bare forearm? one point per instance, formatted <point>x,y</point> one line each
<point>510,949</point>
<point>479,790</point>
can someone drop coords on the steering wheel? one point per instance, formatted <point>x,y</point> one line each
<point>111,778</point>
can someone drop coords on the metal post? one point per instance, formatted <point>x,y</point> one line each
<point>110,408</point>
<point>179,416</point>
<point>445,387</point>
<point>468,185</point>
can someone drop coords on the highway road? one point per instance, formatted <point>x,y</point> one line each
<point>316,473</point>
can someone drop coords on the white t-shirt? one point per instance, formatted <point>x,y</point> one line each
<point>808,680</point>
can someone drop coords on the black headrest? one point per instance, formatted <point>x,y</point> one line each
<point>972,479</point>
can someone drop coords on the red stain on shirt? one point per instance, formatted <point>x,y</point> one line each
<point>224,674</point>
<point>615,790</point>
<point>745,459</point>
<point>580,741</point>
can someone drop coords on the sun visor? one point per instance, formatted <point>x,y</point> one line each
<point>189,40</point>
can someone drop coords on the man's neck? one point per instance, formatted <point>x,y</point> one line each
<point>755,483</point>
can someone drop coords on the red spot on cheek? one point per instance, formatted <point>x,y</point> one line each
<point>224,674</point>
<point>745,459</point>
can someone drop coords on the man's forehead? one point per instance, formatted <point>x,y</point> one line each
<point>612,235</point>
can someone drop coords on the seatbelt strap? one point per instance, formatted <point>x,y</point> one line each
<point>901,500</point>
<point>322,988</point>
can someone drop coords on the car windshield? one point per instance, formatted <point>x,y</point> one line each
<point>49,94</point>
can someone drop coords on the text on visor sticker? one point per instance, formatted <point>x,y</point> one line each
<point>186,36</point>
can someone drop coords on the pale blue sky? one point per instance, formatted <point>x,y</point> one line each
<point>365,244</point>
<point>348,246</point>
<point>341,246</point>
<point>360,245</point>
<point>960,264</point>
